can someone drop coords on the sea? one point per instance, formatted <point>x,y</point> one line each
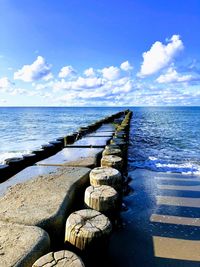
<point>162,139</point>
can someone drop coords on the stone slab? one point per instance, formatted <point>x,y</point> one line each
<point>20,245</point>
<point>91,142</point>
<point>45,200</point>
<point>100,134</point>
<point>25,175</point>
<point>107,128</point>
<point>84,157</point>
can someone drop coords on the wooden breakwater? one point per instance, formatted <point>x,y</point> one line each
<point>42,207</point>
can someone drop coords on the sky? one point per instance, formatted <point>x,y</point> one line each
<point>99,53</point>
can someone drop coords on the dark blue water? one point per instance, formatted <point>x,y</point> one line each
<point>166,139</point>
<point>161,139</point>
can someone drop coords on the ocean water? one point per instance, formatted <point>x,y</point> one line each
<point>23,129</point>
<point>165,139</point>
<point>161,139</point>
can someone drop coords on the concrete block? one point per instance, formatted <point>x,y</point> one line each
<point>45,200</point>
<point>100,134</point>
<point>107,128</point>
<point>92,142</point>
<point>84,157</point>
<point>21,245</point>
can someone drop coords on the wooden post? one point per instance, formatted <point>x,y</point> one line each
<point>112,146</point>
<point>112,151</point>
<point>59,258</point>
<point>106,176</point>
<point>112,161</point>
<point>122,144</point>
<point>103,198</point>
<point>87,229</point>
<point>118,141</point>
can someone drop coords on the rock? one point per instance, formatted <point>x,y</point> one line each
<point>21,245</point>
<point>60,258</point>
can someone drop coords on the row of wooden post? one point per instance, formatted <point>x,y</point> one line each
<point>88,230</point>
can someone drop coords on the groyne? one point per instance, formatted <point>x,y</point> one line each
<point>42,195</point>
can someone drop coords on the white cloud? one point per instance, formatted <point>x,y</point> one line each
<point>79,83</point>
<point>89,72</point>
<point>37,70</point>
<point>89,82</point>
<point>5,83</point>
<point>18,91</point>
<point>42,86</point>
<point>160,55</point>
<point>111,73</point>
<point>66,71</point>
<point>172,76</point>
<point>126,66</point>
<point>3,101</point>
<point>48,77</point>
<point>8,87</point>
<point>98,90</point>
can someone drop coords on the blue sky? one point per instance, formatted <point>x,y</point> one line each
<point>99,53</point>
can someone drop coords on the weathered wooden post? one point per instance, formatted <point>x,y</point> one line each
<point>112,151</point>
<point>122,144</point>
<point>59,258</point>
<point>112,161</point>
<point>103,198</point>
<point>30,159</point>
<point>119,142</point>
<point>5,172</point>
<point>69,139</point>
<point>88,230</point>
<point>16,164</point>
<point>112,146</point>
<point>49,149</point>
<point>106,176</point>
<point>58,144</point>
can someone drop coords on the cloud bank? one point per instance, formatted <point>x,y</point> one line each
<point>157,81</point>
